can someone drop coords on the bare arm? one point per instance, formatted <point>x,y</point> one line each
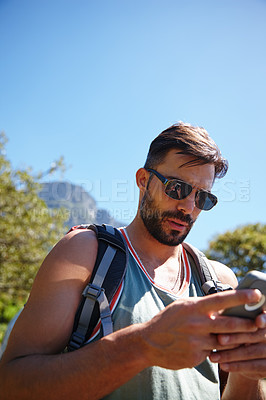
<point>33,359</point>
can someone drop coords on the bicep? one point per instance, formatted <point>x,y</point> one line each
<point>46,322</point>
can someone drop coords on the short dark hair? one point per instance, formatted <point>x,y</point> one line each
<point>190,140</point>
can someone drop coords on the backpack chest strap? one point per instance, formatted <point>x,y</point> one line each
<point>209,281</point>
<point>95,297</point>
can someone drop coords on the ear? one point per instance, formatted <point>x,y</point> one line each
<point>142,177</point>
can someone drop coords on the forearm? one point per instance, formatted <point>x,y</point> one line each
<point>240,387</point>
<point>89,373</point>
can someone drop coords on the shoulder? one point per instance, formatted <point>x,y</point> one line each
<point>224,273</point>
<point>73,257</point>
<point>68,266</point>
<point>78,247</point>
<point>77,242</point>
<point>55,296</point>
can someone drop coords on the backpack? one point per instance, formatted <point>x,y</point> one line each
<point>102,293</point>
<point>107,278</point>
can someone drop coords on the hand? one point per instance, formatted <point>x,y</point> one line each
<point>249,357</point>
<point>185,332</point>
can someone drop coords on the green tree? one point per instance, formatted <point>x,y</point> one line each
<point>243,249</point>
<point>28,230</point>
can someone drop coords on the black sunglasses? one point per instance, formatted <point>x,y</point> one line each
<point>178,190</point>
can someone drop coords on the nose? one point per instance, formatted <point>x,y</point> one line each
<point>187,205</point>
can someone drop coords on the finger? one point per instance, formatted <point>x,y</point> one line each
<point>231,298</point>
<point>261,320</point>
<point>243,338</point>
<point>211,342</point>
<point>241,353</point>
<point>225,325</point>
<point>223,348</point>
<point>255,369</point>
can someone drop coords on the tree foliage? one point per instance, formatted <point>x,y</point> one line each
<point>28,230</point>
<point>243,249</point>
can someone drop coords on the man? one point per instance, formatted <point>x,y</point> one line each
<point>165,330</point>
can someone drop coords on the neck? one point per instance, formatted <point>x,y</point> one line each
<point>162,262</point>
<point>145,243</point>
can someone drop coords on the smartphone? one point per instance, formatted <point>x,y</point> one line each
<point>253,280</point>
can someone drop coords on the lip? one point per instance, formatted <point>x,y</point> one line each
<point>177,225</point>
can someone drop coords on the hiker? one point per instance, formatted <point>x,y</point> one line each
<point>168,337</point>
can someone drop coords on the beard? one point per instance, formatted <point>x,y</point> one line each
<point>153,219</point>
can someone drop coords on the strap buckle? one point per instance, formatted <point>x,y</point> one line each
<point>76,341</point>
<point>92,291</point>
<point>212,286</point>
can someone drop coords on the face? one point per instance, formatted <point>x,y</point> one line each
<point>169,221</point>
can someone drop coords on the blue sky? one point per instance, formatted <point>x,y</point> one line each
<point>97,81</point>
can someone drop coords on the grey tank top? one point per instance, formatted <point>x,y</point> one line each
<point>140,300</point>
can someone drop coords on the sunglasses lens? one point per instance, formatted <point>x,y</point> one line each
<point>177,190</point>
<point>205,200</point>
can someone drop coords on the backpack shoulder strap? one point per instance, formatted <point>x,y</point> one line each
<point>107,277</point>
<point>209,280</point>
